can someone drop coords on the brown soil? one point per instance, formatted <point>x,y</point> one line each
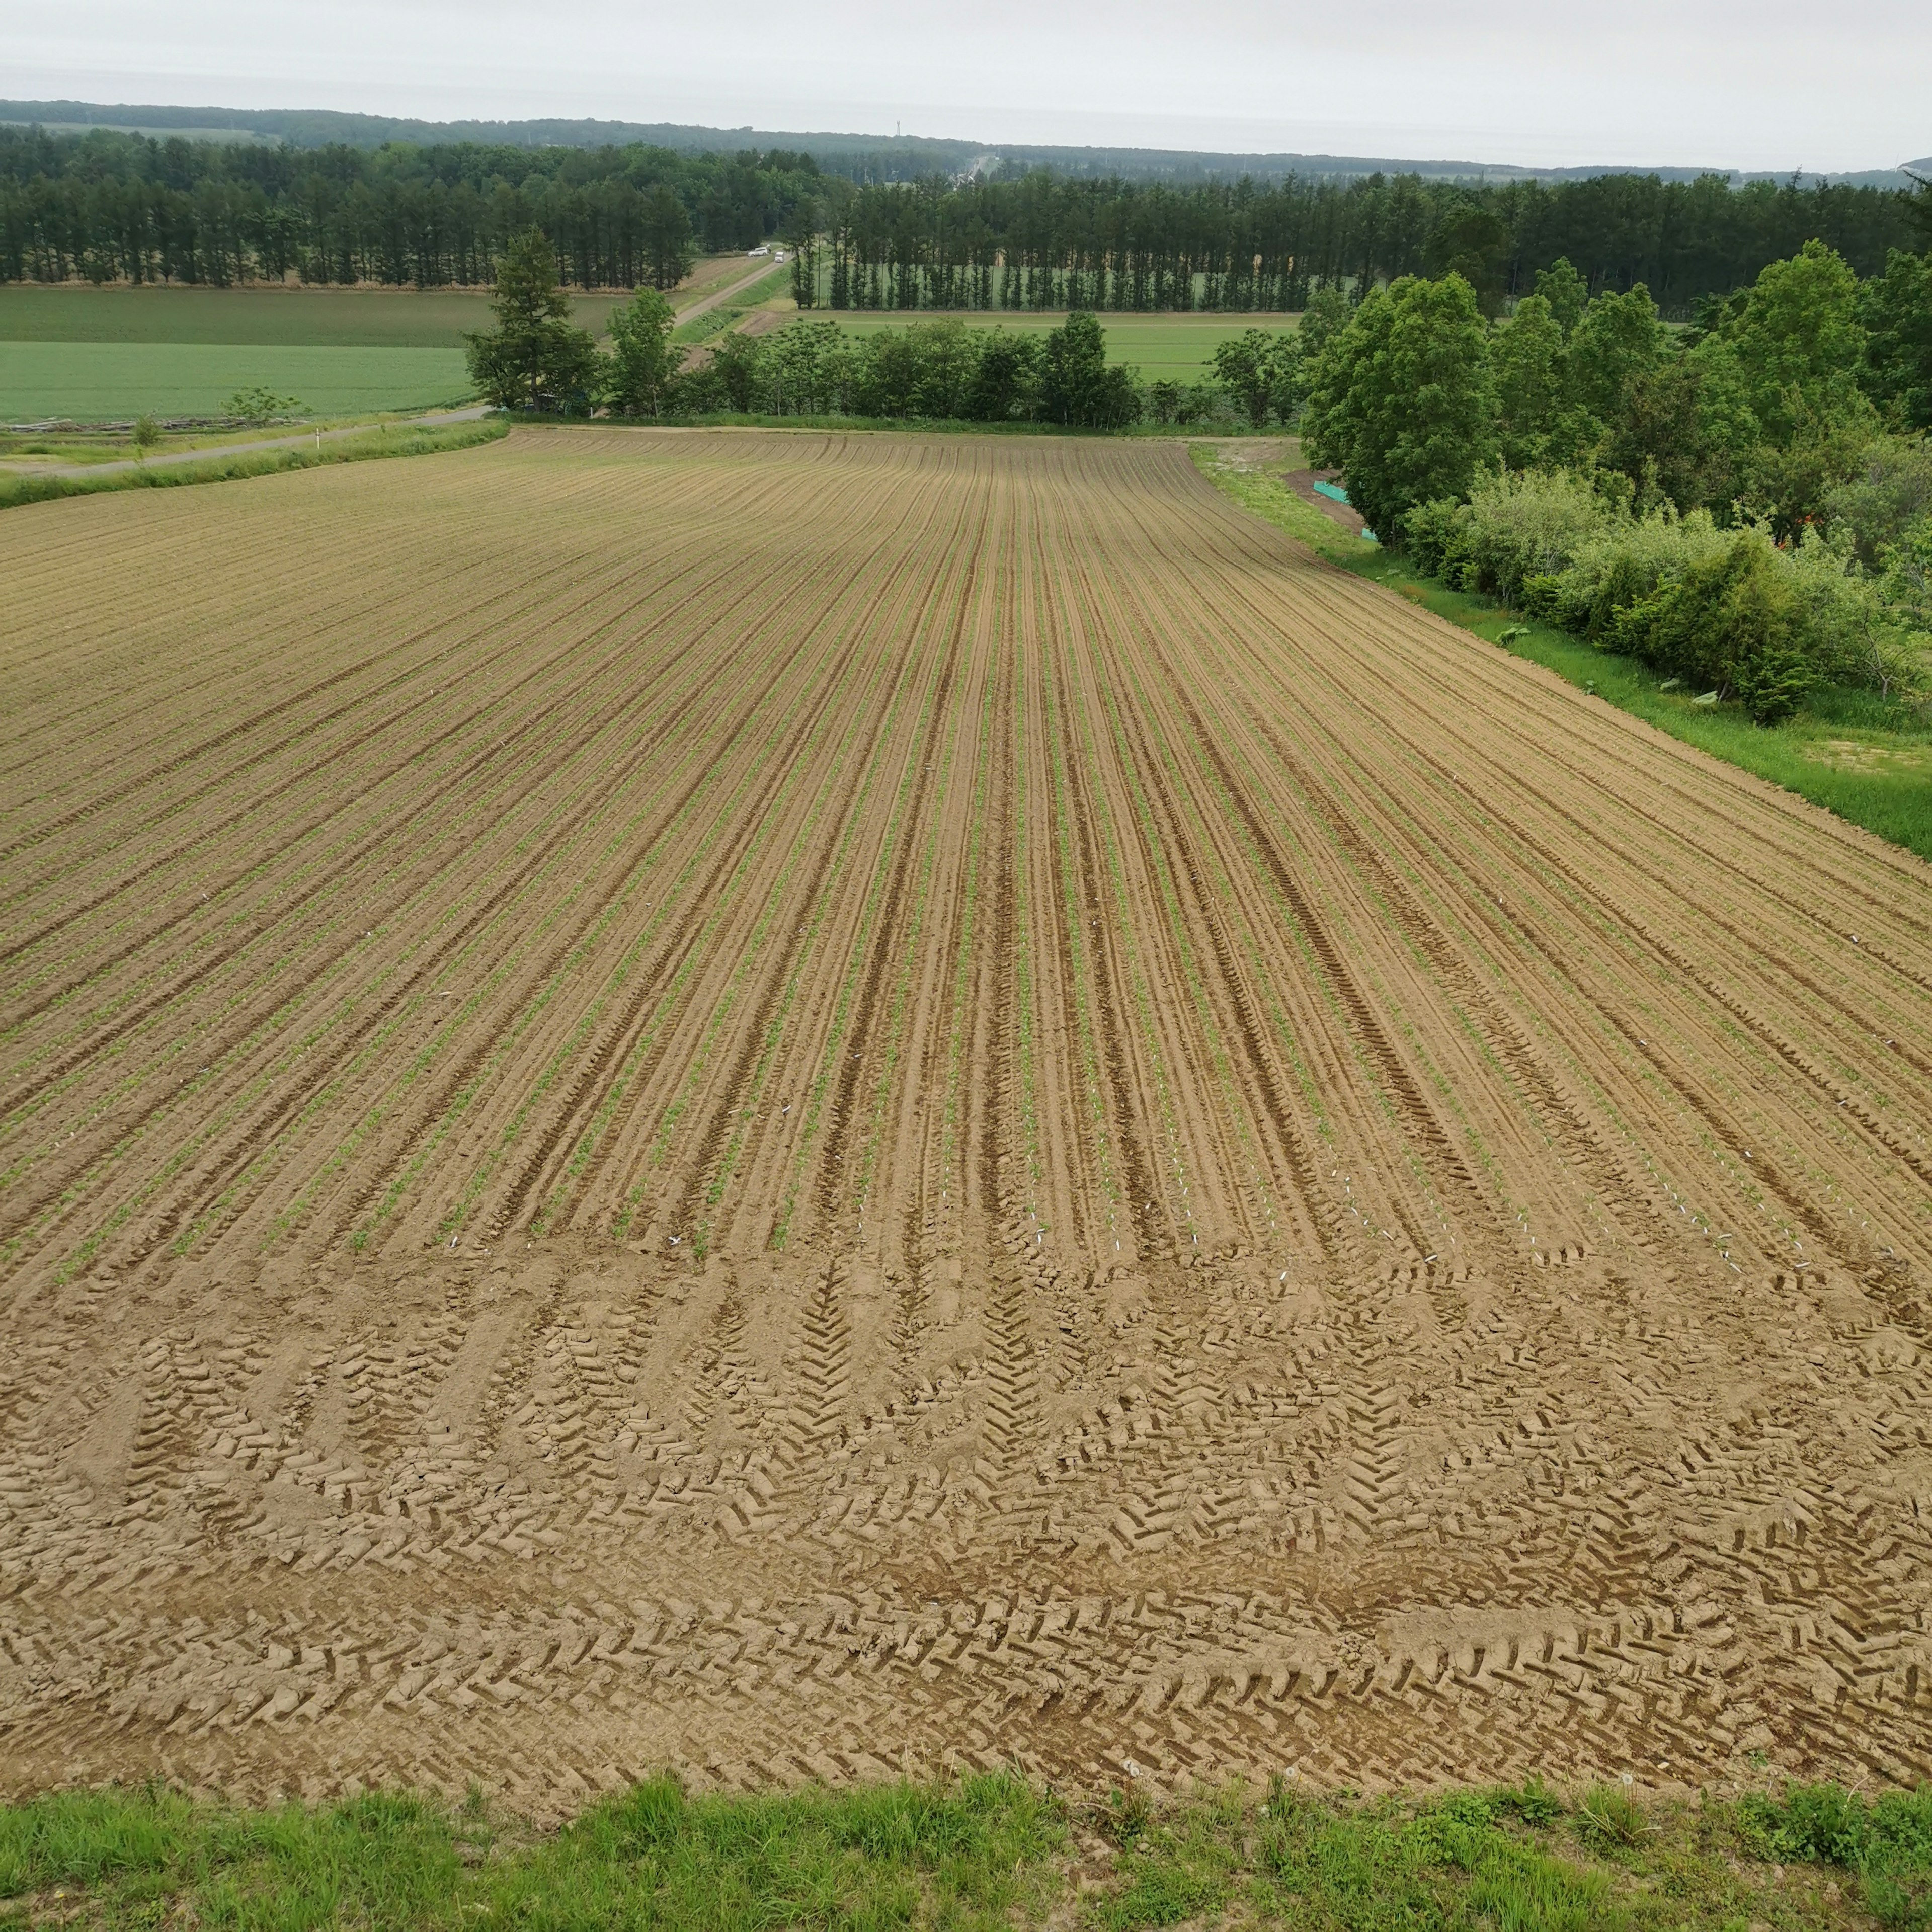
<point>788,1104</point>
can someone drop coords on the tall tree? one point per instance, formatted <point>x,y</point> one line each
<point>1800,339</point>
<point>533,358</point>
<point>1566,292</point>
<point>668,246</point>
<point>1617,340</point>
<point>1527,354</point>
<point>1896,308</point>
<point>1258,368</point>
<point>642,362</point>
<point>1077,386</point>
<point>1401,402</point>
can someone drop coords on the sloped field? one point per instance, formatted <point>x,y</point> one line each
<point>789,1103</point>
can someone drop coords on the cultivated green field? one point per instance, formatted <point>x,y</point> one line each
<point>1164,348</point>
<point>98,354</point>
<point>106,381</point>
<point>362,318</point>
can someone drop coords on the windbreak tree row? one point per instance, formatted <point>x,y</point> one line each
<point>109,206</point>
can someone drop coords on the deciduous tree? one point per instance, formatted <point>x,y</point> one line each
<point>1401,402</point>
<point>1896,308</point>
<point>642,362</point>
<point>1077,386</point>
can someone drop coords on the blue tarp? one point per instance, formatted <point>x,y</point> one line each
<point>1336,494</point>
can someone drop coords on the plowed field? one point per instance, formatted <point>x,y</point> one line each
<point>790,1104</point>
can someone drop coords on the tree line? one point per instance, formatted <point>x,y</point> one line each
<point>109,207</point>
<point>1746,502</point>
<point>537,358</point>
<point>112,206</point>
<point>1042,242</point>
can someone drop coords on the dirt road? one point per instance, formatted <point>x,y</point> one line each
<point>723,295</point>
<point>792,1104</point>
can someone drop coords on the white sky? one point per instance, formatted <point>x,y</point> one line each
<point>1728,83</point>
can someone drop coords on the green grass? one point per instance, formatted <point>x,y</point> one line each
<point>1520,1859</point>
<point>1869,763</point>
<point>986,1852</point>
<point>977,1854</point>
<point>262,317</point>
<point>97,382</point>
<point>379,441</point>
<point>1164,348</point>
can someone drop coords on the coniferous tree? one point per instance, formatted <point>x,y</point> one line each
<point>534,358</point>
<point>669,248</point>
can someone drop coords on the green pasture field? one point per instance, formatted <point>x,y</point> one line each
<point>91,381</point>
<point>1164,348</point>
<point>262,317</point>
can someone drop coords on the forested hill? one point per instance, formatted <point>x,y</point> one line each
<point>861,158</point>
<point>111,206</point>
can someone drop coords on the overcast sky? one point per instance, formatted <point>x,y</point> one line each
<point>1733,83</point>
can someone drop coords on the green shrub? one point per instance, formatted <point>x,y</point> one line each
<point>1766,622</point>
<point>1513,527</point>
<point>1733,621</point>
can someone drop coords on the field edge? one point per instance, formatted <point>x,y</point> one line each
<point>1895,808</point>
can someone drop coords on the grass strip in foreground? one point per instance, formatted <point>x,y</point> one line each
<point>988,1851</point>
<point>1868,762</point>
<point>381,441</point>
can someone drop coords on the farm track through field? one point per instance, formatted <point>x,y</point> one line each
<point>797,1104</point>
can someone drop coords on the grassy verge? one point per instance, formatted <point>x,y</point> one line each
<point>987,1852</point>
<point>380,441</point>
<point>1868,762</point>
<point>55,448</point>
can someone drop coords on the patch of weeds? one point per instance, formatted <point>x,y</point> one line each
<point>1532,1801</point>
<point>981,1855</point>
<point>1609,1820</point>
<point>1122,1817</point>
<point>382,1859</point>
<point>1452,1864</point>
<point>1179,1868</point>
<point>1886,1843</point>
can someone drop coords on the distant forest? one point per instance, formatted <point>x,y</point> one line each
<point>109,206</point>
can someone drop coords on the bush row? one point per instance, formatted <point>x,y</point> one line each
<point>1732,609</point>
